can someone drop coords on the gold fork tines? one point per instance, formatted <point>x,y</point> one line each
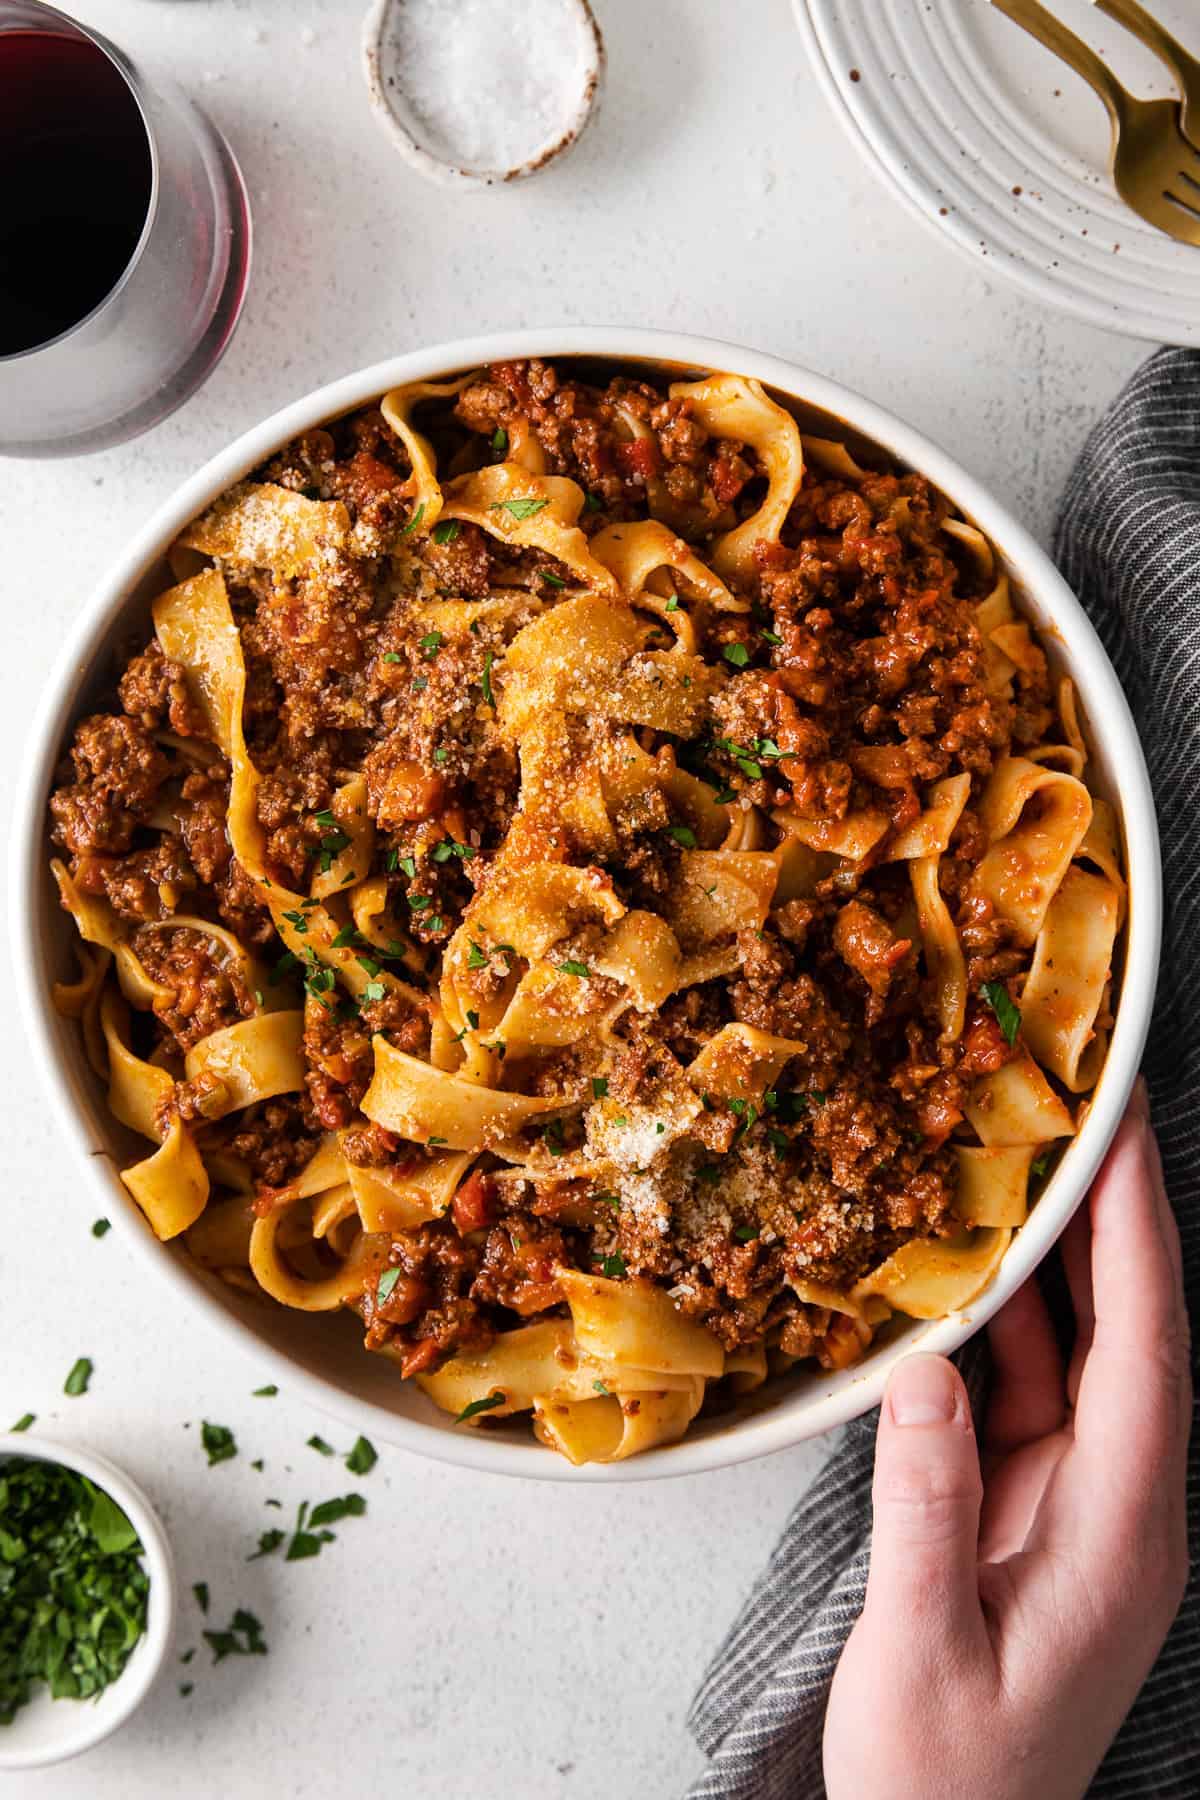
<point>1155,168</point>
<point>1183,65</point>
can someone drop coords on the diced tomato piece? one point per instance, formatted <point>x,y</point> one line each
<point>474,1203</point>
<point>984,1049</point>
<point>638,458</point>
<point>422,1356</point>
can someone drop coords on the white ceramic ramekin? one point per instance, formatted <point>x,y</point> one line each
<point>322,1357</point>
<point>49,1731</point>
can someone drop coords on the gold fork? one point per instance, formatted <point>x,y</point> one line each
<point>1154,167</point>
<point>1183,65</point>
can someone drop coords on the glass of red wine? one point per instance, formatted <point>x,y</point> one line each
<point>124,239</point>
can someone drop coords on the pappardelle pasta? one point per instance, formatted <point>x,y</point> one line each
<point>596,881</point>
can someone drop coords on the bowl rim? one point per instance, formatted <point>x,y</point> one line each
<point>147,1659</point>
<point>772,1429</point>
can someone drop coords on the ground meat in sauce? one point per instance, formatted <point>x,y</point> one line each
<point>853,678</point>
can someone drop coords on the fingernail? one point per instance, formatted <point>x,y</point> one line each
<point>923,1390</point>
<point>1139,1100</point>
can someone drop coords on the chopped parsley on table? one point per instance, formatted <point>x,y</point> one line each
<point>101,1228</point>
<point>363,1457</point>
<point>73,1592</point>
<point>218,1441</point>
<point>77,1381</point>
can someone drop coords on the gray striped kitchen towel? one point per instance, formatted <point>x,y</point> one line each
<point>1128,541</point>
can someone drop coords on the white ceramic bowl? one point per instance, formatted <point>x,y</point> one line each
<point>49,1731</point>
<point>322,1358</point>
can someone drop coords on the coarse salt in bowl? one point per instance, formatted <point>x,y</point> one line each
<point>477,92</point>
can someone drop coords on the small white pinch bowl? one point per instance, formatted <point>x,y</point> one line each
<point>321,1357</point>
<point>397,117</point>
<point>49,1731</point>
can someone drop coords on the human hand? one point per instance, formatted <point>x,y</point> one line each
<point>1012,1616</point>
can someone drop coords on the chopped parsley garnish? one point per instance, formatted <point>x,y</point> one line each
<point>408,866</point>
<point>24,1422</point>
<point>319,1444</point>
<point>745,1234</point>
<point>420,902</point>
<point>387,1282</point>
<point>77,1381</point>
<point>267,1542</point>
<point>737,654</point>
<point>218,1441</point>
<point>552,1137</point>
<point>613,1267</point>
<point>779,1141</point>
<point>1008,1013</point>
<point>434,1142</point>
<point>101,1228</point>
<point>554,581</point>
<point>265,1393</point>
<point>724,795</point>
<point>571,967</point>
<point>599,1086</point>
<point>600,1387</point>
<point>414,521</point>
<point>446,531</point>
<point>518,509</point>
<point>499,440</point>
<point>472,1018</point>
<point>592,503</point>
<point>242,1637</point>
<point>431,643</point>
<point>441,755</point>
<point>331,1512</point>
<point>420,683</point>
<point>478,1406</point>
<point>683,834</point>
<point>392,656</point>
<point>200,1594</point>
<point>770,637</point>
<point>374,990</point>
<point>613,1200</point>
<point>73,1592</point>
<point>485,680</point>
<point>475,958</point>
<point>1037,1169</point>
<point>449,847</point>
<point>332,844</point>
<point>299,920</point>
<point>767,747</point>
<point>363,1457</point>
<point>672,604</point>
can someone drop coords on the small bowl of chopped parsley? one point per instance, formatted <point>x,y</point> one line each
<point>87,1600</point>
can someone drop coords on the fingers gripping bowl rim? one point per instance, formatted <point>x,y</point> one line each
<point>373,1402</point>
<point>50,1731</point>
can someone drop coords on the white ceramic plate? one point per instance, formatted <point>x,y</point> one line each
<point>998,144</point>
<point>321,1357</point>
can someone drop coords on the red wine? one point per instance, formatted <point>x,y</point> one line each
<point>76,189</point>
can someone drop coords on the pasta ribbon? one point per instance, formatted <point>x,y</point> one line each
<point>614,1426</point>
<point>741,1063</point>
<point>1017,1106</point>
<point>393,1200</point>
<point>634,1323</point>
<point>1072,963</point>
<point>397,407</point>
<point>853,837</point>
<point>993,1183</point>
<point>729,406</point>
<point>720,892</point>
<point>253,1060</point>
<point>171,1187</point>
<point>931,1277</point>
<point>353,863</point>
<point>269,527</point>
<point>323,1292</point>
<point>427,1105</point>
<point>1035,818</point>
<point>944,961</point>
<point>533,512</point>
<point>637,552</point>
<point>930,834</point>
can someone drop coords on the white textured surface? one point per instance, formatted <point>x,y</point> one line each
<point>469,1635</point>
